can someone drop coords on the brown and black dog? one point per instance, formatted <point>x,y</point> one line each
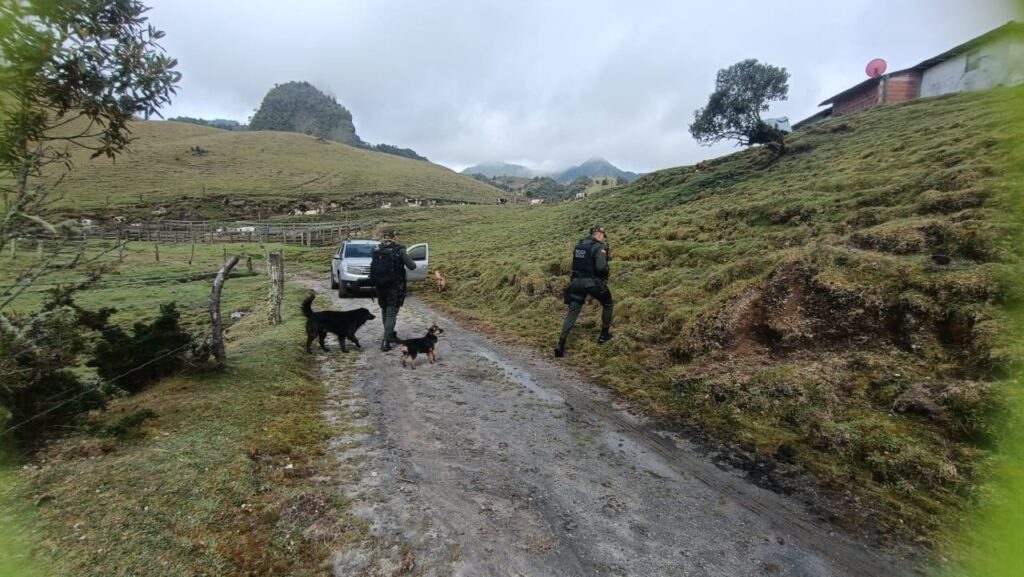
<point>424,345</point>
<point>343,324</point>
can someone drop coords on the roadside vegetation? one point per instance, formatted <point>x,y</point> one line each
<point>838,313</point>
<point>203,472</point>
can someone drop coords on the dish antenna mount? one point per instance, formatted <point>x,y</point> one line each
<point>875,68</point>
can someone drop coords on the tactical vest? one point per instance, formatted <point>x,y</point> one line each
<point>584,263</point>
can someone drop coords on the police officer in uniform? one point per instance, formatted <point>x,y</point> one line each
<point>589,278</point>
<point>390,298</point>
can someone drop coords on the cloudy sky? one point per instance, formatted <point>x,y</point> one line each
<point>542,83</point>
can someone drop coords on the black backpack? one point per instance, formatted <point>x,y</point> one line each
<point>385,267</point>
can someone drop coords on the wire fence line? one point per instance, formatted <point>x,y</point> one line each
<point>138,282</point>
<point>93,389</point>
<point>211,232</point>
<point>31,344</point>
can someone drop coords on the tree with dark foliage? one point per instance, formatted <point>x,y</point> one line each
<point>73,74</point>
<point>742,92</point>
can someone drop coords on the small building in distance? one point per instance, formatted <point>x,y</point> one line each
<point>995,58</point>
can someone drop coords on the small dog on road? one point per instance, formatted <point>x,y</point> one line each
<point>441,281</point>
<point>343,324</point>
<point>424,345</point>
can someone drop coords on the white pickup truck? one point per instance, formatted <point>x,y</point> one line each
<point>350,266</point>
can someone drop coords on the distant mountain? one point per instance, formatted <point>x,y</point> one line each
<point>492,169</point>
<point>595,167</point>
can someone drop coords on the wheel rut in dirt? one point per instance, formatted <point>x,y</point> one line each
<point>495,461</point>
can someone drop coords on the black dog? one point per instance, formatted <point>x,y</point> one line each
<point>343,324</point>
<point>423,345</point>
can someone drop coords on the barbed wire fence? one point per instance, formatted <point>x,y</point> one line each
<point>212,302</point>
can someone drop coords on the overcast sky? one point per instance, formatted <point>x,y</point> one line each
<point>546,84</point>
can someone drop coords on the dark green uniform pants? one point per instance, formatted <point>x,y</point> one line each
<point>577,295</point>
<point>390,300</point>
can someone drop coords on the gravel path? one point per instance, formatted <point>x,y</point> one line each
<point>496,461</point>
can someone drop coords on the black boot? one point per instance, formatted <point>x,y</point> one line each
<point>605,336</point>
<point>560,349</point>
<point>385,345</point>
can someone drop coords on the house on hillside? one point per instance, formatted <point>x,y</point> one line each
<point>992,59</point>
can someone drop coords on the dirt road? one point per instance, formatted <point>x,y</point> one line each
<point>496,461</point>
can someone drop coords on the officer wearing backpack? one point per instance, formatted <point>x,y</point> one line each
<point>589,278</point>
<point>387,273</point>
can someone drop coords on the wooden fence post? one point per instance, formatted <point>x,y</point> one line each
<point>275,263</point>
<point>219,352</point>
<point>192,254</point>
<point>14,247</point>
<point>248,263</point>
<point>157,253</point>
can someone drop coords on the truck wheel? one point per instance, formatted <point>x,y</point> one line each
<point>334,283</point>
<point>342,291</point>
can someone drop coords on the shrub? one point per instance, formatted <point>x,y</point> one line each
<point>128,426</point>
<point>154,350</point>
<point>40,391</point>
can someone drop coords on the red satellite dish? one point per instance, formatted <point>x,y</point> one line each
<point>875,68</point>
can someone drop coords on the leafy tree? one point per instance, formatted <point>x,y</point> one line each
<point>397,151</point>
<point>580,184</point>
<point>220,123</point>
<point>742,93</point>
<point>545,188</point>
<point>73,73</point>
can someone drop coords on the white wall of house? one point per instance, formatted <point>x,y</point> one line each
<point>999,63</point>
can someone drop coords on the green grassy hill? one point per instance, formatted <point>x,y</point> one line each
<point>793,310</point>
<point>246,174</point>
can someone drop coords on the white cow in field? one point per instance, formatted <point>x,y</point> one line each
<point>580,195</point>
<point>536,201</point>
<point>386,205</point>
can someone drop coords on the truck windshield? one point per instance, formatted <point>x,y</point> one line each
<point>359,250</point>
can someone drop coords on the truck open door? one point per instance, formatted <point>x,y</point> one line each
<point>420,254</point>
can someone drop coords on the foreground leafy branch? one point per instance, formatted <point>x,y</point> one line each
<point>73,74</point>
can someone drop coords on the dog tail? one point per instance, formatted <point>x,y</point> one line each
<point>307,306</point>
